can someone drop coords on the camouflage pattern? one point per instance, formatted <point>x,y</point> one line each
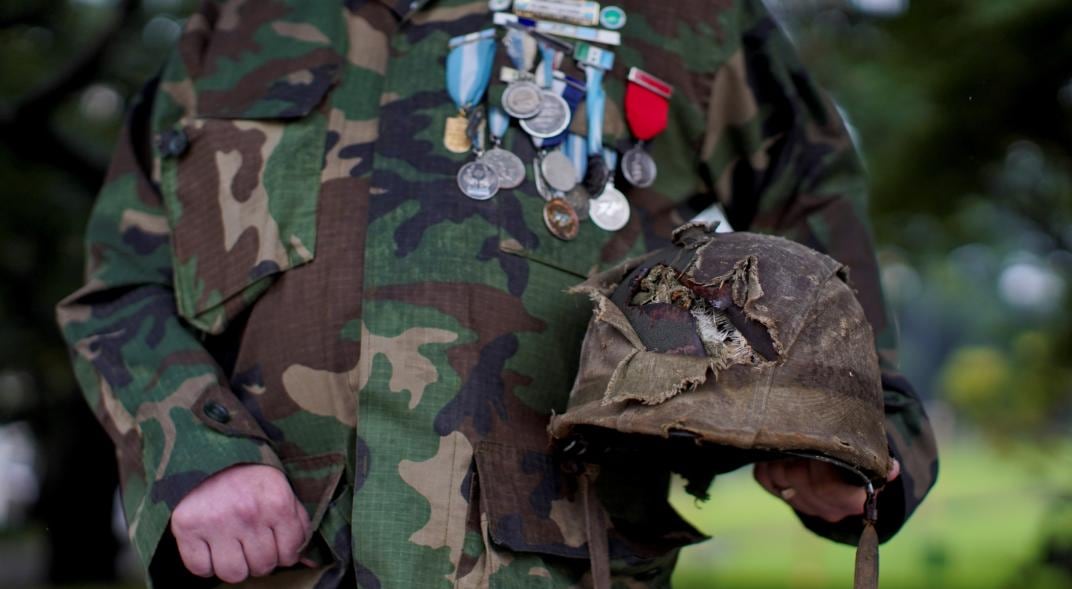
<point>300,284</point>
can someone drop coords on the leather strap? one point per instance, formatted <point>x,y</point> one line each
<point>595,523</point>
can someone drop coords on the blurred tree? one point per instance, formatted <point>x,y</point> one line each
<point>67,66</point>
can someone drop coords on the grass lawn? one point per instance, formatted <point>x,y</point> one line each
<point>977,527</point>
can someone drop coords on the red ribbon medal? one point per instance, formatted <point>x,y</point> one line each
<point>647,106</point>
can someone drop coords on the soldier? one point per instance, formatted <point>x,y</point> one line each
<point>321,362</point>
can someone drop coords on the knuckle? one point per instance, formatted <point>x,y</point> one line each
<point>278,504</point>
<point>184,521</point>
<point>246,510</point>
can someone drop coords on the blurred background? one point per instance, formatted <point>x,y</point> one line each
<point>963,109</point>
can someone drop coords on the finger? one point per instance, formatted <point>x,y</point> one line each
<point>260,551</point>
<point>289,536</point>
<point>195,556</point>
<point>303,517</point>
<point>833,498</point>
<point>895,470</point>
<point>804,499</point>
<point>761,472</point>
<point>776,470</point>
<point>229,561</point>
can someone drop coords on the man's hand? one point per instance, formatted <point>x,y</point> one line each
<point>242,521</point>
<point>814,487</point>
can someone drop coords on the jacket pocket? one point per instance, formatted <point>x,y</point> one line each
<point>241,203</point>
<point>533,506</point>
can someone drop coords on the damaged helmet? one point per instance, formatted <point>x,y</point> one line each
<point>726,349</point>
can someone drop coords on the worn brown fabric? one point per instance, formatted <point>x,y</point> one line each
<point>640,374</point>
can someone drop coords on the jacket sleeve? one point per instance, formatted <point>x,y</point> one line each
<point>149,378</point>
<point>779,157</point>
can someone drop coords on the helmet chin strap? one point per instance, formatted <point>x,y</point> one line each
<point>865,575</point>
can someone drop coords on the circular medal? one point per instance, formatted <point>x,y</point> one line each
<point>478,180</point>
<point>638,167</point>
<point>522,99</point>
<point>558,171</point>
<point>545,191</point>
<point>499,5</point>
<point>508,167</point>
<point>612,17</point>
<point>553,118</point>
<point>579,200</point>
<point>561,219</point>
<point>611,210</point>
<point>597,175</point>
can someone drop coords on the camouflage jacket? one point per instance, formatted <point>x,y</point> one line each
<point>281,270</point>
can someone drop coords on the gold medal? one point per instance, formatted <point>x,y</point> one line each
<point>456,136</point>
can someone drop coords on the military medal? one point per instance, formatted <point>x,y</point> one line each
<point>561,219</point>
<point>521,98</point>
<point>575,147</point>
<point>478,180</point>
<point>545,191</point>
<point>469,65</point>
<point>610,211</point>
<point>595,62</point>
<point>557,171</point>
<point>552,119</point>
<point>508,167</point>
<point>647,106</point>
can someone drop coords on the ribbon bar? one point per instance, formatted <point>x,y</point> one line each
<point>605,37</point>
<point>471,38</point>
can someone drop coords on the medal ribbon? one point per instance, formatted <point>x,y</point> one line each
<point>498,123</point>
<point>521,49</point>
<point>576,149</point>
<point>647,104</point>
<point>469,67</point>
<point>595,62</point>
<point>548,57</point>
<point>593,107</point>
<point>611,158</point>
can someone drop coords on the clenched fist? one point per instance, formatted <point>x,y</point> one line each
<point>242,521</point>
<point>815,488</point>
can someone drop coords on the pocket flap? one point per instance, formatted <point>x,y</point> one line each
<point>533,505</point>
<point>242,205</point>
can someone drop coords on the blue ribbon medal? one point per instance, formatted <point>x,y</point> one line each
<point>468,74</point>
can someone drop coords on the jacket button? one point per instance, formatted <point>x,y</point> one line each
<point>173,143</point>
<point>217,412</point>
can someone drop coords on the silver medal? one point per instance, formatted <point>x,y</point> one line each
<point>553,118</point>
<point>558,171</point>
<point>478,180</point>
<point>522,99</point>
<point>578,199</point>
<point>638,167</point>
<point>545,191</point>
<point>508,167</point>
<point>611,210</point>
